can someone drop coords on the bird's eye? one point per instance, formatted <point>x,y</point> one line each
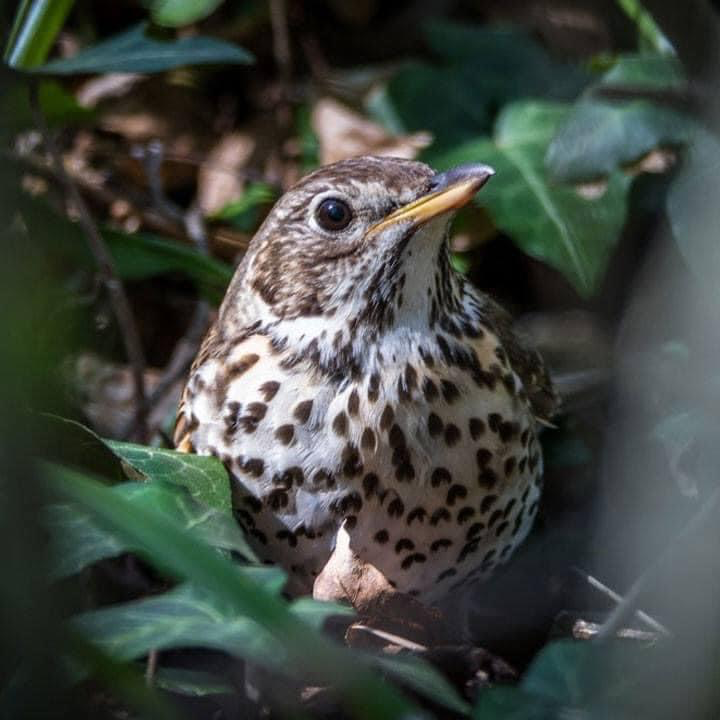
<point>333,214</point>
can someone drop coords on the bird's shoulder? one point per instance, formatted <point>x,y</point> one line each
<point>524,361</point>
<point>216,346</point>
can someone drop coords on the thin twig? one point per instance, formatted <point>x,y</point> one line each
<point>186,348</point>
<point>106,269</point>
<point>683,98</point>
<point>283,60</point>
<point>627,606</point>
<point>281,39</point>
<point>617,598</point>
<point>584,630</point>
<point>151,667</point>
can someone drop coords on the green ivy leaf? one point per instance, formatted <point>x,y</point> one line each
<point>137,51</point>
<point>173,13</point>
<point>600,136</point>
<point>187,617</point>
<point>229,590</point>
<point>68,442</point>
<point>479,70</point>
<point>552,222</point>
<point>569,678</point>
<point>137,256</point>
<point>144,255</point>
<point>79,540</point>
<point>204,477</point>
<point>245,212</point>
<point>512,703</point>
<point>647,70</point>
<point>76,541</point>
<point>183,617</point>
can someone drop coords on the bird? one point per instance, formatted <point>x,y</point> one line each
<point>353,379</point>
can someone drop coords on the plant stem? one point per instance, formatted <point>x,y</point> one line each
<point>106,269</point>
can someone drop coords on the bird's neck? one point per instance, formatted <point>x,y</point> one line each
<point>357,338</point>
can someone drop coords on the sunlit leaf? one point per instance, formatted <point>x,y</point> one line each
<point>137,51</point>
<point>244,213</point>
<point>549,221</point>
<point>174,13</point>
<point>36,25</point>
<point>205,477</point>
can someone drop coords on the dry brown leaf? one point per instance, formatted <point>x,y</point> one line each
<point>343,133</point>
<point>592,190</point>
<point>107,398</point>
<point>102,87</point>
<point>219,178</point>
<point>347,578</point>
<point>659,160</point>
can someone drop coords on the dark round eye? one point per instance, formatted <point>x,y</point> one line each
<point>333,214</point>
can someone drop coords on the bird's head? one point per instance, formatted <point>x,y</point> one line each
<point>359,244</point>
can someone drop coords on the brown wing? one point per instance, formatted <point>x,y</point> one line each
<point>527,363</point>
<point>181,435</point>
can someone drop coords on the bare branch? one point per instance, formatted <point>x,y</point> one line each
<point>153,156</point>
<point>617,598</point>
<point>151,667</point>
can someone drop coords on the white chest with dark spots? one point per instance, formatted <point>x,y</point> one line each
<point>433,468</point>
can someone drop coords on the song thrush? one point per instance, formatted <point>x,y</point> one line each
<point>353,377</point>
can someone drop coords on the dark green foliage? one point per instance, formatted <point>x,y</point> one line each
<point>233,608</point>
<point>600,136</point>
<point>138,256</point>
<point>552,222</point>
<point>139,51</point>
<point>479,70</point>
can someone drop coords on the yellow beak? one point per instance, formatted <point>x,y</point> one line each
<point>456,188</point>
